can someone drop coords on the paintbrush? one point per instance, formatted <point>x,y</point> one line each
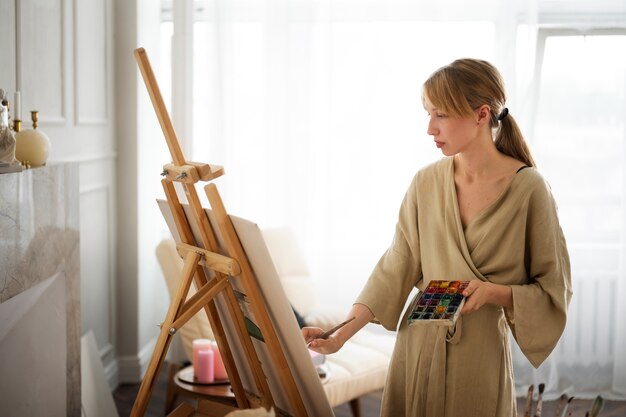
<point>539,405</point>
<point>566,406</point>
<point>562,400</point>
<point>529,400</point>
<point>597,405</point>
<point>327,333</point>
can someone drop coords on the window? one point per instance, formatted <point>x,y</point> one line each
<point>579,140</point>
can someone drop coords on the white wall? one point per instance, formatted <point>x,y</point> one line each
<point>74,63</point>
<point>63,68</point>
<point>141,297</point>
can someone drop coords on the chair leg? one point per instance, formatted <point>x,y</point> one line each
<point>355,406</point>
<point>172,389</point>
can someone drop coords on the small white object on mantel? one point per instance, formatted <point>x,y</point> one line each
<point>8,163</point>
<point>7,149</point>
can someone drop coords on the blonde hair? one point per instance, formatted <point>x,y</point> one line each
<point>466,84</point>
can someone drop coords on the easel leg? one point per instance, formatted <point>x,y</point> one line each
<point>147,384</point>
<point>165,338</point>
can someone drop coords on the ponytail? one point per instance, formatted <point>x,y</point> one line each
<point>510,141</point>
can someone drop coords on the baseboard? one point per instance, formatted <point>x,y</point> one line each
<point>132,368</point>
<point>111,372</point>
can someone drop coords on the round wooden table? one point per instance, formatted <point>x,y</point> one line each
<point>182,383</point>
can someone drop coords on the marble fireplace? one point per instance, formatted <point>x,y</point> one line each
<point>40,292</point>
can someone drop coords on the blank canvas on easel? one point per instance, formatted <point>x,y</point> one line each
<point>280,312</point>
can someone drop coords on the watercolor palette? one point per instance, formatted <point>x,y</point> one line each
<point>439,303</point>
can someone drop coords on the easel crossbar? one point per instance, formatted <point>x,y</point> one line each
<point>195,304</point>
<point>215,261</point>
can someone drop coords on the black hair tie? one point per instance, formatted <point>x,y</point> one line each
<point>503,113</point>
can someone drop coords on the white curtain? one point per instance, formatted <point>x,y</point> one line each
<point>314,109</point>
<point>578,133</point>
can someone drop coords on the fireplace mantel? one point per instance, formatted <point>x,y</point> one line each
<point>40,292</point>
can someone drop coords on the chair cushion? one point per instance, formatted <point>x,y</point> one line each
<point>301,292</point>
<point>359,368</point>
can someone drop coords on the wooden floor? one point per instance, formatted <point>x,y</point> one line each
<point>125,395</point>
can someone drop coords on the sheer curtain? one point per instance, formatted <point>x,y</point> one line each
<point>314,109</point>
<point>578,136</point>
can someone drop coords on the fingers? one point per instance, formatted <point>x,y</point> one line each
<point>473,298</point>
<point>324,346</point>
<point>468,307</point>
<point>471,287</point>
<point>311,333</point>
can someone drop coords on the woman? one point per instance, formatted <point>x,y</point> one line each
<point>484,214</point>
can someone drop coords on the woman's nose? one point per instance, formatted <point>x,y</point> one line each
<point>431,129</point>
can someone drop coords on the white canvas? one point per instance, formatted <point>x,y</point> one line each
<point>280,312</point>
<point>96,397</point>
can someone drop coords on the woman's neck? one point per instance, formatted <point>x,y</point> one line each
<point>479,161</point>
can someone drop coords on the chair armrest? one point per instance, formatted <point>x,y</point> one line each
<point>325,317</point>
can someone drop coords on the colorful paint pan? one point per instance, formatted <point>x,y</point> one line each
<point>439,303</point>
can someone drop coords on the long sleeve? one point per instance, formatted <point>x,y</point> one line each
<point>398,270</point>
<point>539,311</point>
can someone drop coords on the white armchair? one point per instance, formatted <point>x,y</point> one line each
<point>359,368</point>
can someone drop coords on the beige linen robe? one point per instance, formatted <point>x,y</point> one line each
<point>437,371</point>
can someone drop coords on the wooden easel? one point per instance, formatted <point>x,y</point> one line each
<point>197,256</point>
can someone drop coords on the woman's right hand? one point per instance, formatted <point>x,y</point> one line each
<point>323,346</point>
<point>359,315</point>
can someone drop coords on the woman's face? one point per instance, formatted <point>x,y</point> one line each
<point>451,134</point>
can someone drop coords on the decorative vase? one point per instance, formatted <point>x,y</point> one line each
<point>32,146</point>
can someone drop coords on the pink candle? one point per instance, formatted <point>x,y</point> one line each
<point>220,370</point>
<point>198,345</point>
<point>205,366</point>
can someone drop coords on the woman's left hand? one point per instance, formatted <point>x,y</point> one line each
<point>477,294</point>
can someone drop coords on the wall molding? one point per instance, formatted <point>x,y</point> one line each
<point>87,159</point>
<point>90,121</point>
<point>44,117</point>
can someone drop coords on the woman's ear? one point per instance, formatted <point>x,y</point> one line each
<point>483,114</point>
